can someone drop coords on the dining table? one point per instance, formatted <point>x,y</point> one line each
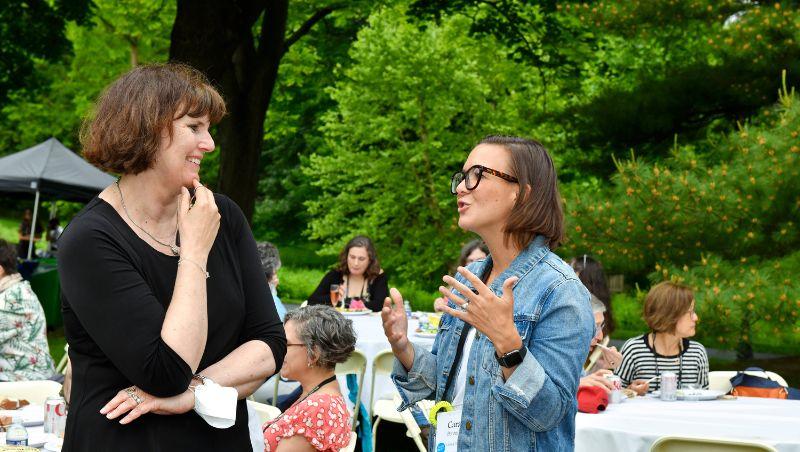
<point>635,424</point>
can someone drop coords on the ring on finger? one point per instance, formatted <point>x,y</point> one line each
<point>465,306</point>
<point>132,394</point>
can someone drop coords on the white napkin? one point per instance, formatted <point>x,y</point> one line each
<point>216,404</point>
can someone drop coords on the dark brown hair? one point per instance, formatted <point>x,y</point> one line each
<point>361,241</point>
<point>537,210</point>
<point>665,304</point>
<point>467,249</point>
<point>590,272</point>
<point>124,133</point>
<point>8,258</point>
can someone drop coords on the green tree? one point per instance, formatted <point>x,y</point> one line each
<point>409,109</point>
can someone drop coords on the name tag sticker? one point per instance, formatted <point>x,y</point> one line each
<point>447,426</point>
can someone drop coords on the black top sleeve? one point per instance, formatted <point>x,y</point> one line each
<point>112,301</point>
<point>261,319</point>
<point>378,291</point>
<point>322,294</point>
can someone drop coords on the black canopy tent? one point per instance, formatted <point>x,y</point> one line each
<point>50,171</point>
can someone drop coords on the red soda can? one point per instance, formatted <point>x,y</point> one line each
<point>55,415</point>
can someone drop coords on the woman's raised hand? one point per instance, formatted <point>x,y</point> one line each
<point>491,315</point>
<point>198,223</point>
<point>395,326</point>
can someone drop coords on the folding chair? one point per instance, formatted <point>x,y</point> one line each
<point>356,364</point>
<point>265,412</point>
<point>690,444</point>
<point>62,364</point>
<point>720,380</point>
<point>382,409</point>
<point>414,432</point>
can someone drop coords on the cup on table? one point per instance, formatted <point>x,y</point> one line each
<point>335,295</point>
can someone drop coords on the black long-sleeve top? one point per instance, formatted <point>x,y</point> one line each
<point>115,292</point>
<point>377,290</point>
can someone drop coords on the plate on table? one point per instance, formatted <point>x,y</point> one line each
<point>352,313</point>
<point>698,394</point>
<point>32,415</point>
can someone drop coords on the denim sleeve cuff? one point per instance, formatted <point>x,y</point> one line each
<point>523,385</point>
<point>419,382</point>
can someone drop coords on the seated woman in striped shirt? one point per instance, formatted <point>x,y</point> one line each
<point>669,312</point>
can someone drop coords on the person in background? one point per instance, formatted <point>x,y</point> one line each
<point>669,310</point>
<point>271,263</point>
<point>162,288</point>
<point>591,274</point>
<point>54,231</point>
<point>24,353</point>
<point>358,275</point>
<point>598,377</point>
<point>318,338</point>
<point>472,251</point>
<point>24,234</point>
<point>510,347</point>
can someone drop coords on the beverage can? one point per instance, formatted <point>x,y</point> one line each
<point>55,415</point>
<point>669,386</point>
<point>616,394</point>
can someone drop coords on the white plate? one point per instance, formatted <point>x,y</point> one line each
<point>32,415</point>
<point>425,335</point>
<point>701,394</point>
<point>352,313</point>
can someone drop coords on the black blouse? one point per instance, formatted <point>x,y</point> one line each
<point>377,290</point>
<point>115,292</point>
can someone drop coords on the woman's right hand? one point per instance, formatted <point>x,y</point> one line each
<point>598,379</point>
<point>395,326</point>
<point>198,223</point>
<point>640,386</point>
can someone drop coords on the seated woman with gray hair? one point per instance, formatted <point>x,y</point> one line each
<point>317,338</point>
<point>271,263</point>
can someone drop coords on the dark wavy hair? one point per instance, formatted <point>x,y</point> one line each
<point>467,249</point>
<point>361,241</point>
<point>590,272</point>
<point>8,257</point>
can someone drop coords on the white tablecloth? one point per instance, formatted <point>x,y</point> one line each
<point>636,424</point>
<point>371,341</point>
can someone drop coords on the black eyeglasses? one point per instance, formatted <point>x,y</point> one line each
<point>472,177</point>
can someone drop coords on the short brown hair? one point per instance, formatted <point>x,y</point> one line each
<point>8,258</point>
<point>361,241</point>
<point>537,210</point>
<point>665,304</point>
<point>124,133</point>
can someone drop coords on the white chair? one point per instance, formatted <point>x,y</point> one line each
<point>690,444</point>
<point>351,446</point>
<point>414,431</point>
<point>33,391</point>
<point>304,304</point>
<point>720,380</point>
<point>356,364</point>
<point>62,365</point>
<point>265,412</point>
<point>382,409</point>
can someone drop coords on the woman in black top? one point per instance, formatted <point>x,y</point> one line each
<point>358,275</point>
<point>157,286</point>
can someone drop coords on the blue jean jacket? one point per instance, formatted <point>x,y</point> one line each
<point>535,409</point>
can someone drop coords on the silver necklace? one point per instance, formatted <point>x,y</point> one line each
<point>173,248</point>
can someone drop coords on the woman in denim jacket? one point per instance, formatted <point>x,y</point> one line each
<point>520,318</point>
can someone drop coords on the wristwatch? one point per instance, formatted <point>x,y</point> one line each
<point>512,358</point>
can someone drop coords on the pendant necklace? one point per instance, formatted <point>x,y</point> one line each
<point>173,248</point>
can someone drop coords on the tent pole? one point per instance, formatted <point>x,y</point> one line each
<point>33,226</point>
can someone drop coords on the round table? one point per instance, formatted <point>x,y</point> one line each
<point>636,424</point>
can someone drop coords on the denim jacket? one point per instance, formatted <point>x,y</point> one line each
<point>535,409</point>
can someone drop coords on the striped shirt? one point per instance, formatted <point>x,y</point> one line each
<point>641,362</point>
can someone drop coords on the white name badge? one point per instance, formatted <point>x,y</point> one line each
<point>447,426</point>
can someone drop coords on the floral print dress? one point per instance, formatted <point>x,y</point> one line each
<point>322,419</point>
<point>24,354</point>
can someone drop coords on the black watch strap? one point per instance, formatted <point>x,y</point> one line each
<point>512,358</point>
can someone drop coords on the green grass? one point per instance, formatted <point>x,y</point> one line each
<point>9,231</point>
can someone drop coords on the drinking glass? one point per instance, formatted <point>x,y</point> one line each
<point>335,295</point>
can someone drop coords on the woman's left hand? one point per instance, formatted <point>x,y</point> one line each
<point>491,315</point>
<point>123,403</point>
